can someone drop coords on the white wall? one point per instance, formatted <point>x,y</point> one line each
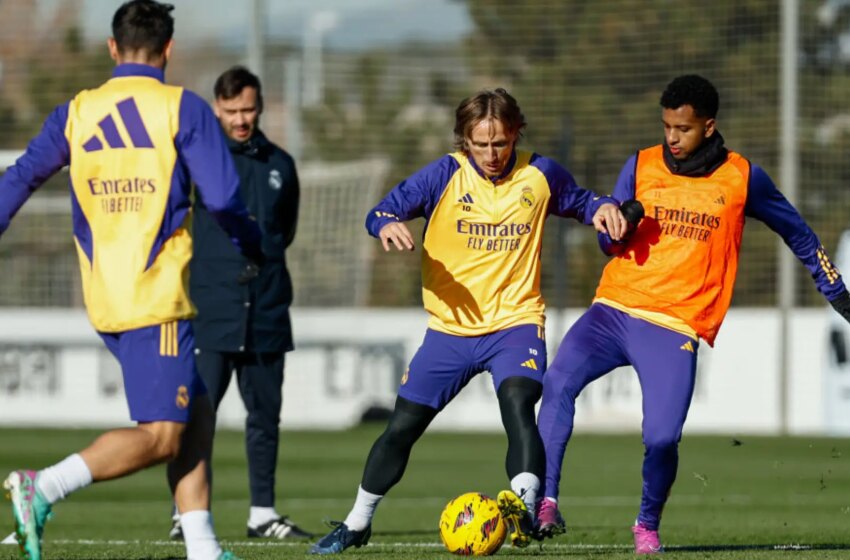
<point>55,371</point>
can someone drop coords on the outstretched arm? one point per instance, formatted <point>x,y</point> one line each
<point>414,197</point>
<point>46,154</point>
<point>569,200</point>
<point>767,204</point>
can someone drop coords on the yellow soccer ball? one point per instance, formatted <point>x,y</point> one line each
<point>471,525</point>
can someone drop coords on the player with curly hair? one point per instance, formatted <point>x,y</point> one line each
<point>669,286</point>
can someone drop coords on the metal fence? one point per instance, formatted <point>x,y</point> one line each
<point>340,88</point>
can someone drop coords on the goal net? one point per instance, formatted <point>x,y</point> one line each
<point>330,260</point>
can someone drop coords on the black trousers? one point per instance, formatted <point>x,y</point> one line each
<point>260,380</point>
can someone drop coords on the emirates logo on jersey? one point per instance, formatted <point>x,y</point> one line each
<point>687,224</point>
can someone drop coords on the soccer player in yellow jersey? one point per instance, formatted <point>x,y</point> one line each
<point>485,206</point>
<point>132,145</point>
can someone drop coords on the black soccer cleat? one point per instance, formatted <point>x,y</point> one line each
<point>280,528</point>
<point>341,538</point>
<point>176,532</point>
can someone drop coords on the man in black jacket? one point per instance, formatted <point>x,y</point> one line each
<point>243,321</point>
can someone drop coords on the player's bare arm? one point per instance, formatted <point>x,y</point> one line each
<point>396,233</point>
<point>608,219</point>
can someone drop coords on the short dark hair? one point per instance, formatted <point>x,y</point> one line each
<point>692,90</point>
<point>497,104</point>
<point>143,25</point>
<point>233,81</point>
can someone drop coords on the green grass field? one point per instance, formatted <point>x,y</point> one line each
<point>764,498</point>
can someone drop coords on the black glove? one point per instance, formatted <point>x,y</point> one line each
<point>842,305</point>
<point>633,213</point>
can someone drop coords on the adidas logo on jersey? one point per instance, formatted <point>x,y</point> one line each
<point>721,200</point>
<point>530,364</point>
<point>133,125</point>
<point>688,347</point>
<point>466,199</point>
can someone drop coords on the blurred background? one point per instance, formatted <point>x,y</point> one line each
<point>363,93</point>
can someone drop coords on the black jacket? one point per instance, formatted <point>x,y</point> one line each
<point>252,316</point>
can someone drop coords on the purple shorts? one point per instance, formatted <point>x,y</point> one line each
<point>158,365</point>
<point>445,363</point>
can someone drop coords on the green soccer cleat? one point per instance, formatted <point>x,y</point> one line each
<point>516,515</point>
<point>31,512</point>
<point>227,555</point>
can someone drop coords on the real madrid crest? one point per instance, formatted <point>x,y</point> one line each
<point>275,180</point>
<point>182,400</point>
<point>526,198</point>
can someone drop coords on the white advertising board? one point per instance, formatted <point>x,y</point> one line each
<point>55,371</point>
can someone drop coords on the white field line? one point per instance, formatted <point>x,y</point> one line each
<point>378,545</point>
<point>566,501</point>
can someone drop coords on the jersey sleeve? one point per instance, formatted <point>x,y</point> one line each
<point>414,197</point>
<point>567,200</point>
<point>46,154</point>
<point>624,189</point>
<point>202,148</point>
<point>766,204</point>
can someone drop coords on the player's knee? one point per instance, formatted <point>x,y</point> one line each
<point>263,422</point>
<point>518,395</point>
<point>165,440</point>
<point>168,451</point>
<point>400,434</point>
<point>407,423</point>
<point>522,390</point>
<point>661,443</point>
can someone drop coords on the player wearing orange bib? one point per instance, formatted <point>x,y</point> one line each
<point>669,286</point>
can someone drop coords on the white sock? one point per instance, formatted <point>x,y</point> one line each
<point>199,535</point>
<point>361,514</point>
<point>69,475</point>
<point>526,486</point>
<point>261,516</point>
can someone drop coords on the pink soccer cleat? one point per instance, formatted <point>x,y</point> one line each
<point>646,540</point>
<point>549,520</point>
